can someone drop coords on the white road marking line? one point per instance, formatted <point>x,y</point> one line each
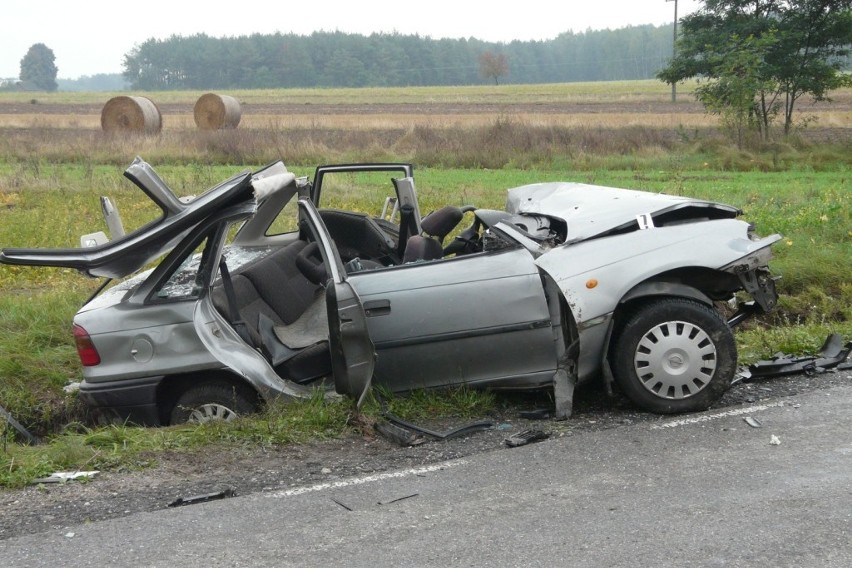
<point>708,417</point>
<point>367,479</point>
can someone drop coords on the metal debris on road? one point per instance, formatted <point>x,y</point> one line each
<point>180,501</point>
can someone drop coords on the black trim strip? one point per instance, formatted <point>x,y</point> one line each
<point>464,334</point>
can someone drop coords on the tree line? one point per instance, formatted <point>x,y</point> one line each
<point>337,59</point>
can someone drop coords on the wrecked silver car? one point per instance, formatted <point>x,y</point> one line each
<point>260,292</point>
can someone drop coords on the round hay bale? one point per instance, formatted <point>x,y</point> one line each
<point>213,112</point>
<point>131,114</point>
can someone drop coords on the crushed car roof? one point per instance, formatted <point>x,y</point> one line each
<point>130,252</point>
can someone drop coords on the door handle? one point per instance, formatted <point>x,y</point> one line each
<point>374,308</point>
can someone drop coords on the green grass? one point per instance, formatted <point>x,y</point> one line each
<point>121,447</point>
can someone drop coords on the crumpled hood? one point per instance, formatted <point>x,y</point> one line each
<point>590,210</point>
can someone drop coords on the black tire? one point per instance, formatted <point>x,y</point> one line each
<point>211,401</point>
<point>673,355</point>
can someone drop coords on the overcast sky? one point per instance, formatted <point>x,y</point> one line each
<point>92,36</point>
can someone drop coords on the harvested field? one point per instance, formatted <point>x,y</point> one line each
<point>606,111</point>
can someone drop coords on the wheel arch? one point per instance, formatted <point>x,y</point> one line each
<point>656,287</point>
<point>172,387</point>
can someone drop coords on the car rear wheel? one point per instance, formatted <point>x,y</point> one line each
<point>673,355</point>
<point>213,401</point>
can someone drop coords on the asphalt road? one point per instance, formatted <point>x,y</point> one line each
<point>701,490</point>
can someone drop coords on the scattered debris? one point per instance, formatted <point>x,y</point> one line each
<point>17,426</point>
<point>325,471</point>
<point>69,535</point>
<point>535,414</point>
<point>526,437</point>
<point>460,431</point>
<point>398,499</point>
<point>64,476</point>
<point>774,440</point>
<point>342,504</point>
<point>397,434</point>
<point>504,426</point>
<point>832,354</point>
<point>180,501</point>
<point>753,422</point>
<point>71,388</point>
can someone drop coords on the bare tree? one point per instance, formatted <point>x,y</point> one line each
<point>493,65</point>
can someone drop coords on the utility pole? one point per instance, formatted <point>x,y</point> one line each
<point>674,48</point>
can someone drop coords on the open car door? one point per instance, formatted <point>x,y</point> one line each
<point>353,355</point>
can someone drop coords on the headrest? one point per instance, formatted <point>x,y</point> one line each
<point>439,223</point>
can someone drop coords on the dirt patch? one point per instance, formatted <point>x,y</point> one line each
<point>251,470</point>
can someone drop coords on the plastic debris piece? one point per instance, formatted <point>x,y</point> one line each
<point>455,432</point>
<point>774,440</point>
<point>753,422</point>
<point>536,414</point>
<point>63,476</point>
<point>526,437</point>
<point>832,354</point>
<point>396,434</point>
<point>180,501</point>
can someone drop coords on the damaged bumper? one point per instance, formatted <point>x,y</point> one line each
<point>754,276</point>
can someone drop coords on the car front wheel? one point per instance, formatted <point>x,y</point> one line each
<point>213,401</point>
<point>673,355</point>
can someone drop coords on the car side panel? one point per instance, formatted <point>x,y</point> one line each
<point>595,275</point>
<point>144,341</point>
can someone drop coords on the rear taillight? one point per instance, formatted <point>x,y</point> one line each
<point>85,348</point>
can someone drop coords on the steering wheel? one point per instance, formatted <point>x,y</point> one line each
<point>310,263</point>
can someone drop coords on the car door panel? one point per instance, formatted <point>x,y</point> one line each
<point>471,319</point>
<point>353,355</point>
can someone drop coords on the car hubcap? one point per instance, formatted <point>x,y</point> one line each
<point>210,413</point>
<point>675,360</point>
